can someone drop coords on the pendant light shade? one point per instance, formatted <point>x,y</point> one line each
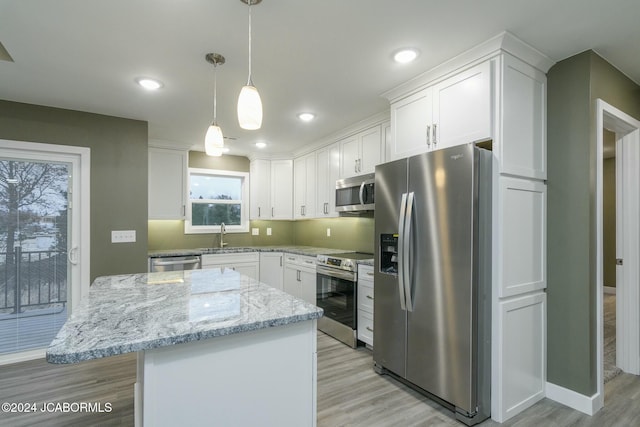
<point>249,108</point>
<point>213,140</point>
<point>249,102</point>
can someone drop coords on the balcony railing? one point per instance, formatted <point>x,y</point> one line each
<point>32,280</point>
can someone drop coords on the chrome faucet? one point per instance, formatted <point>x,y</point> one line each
<point>222,231</point>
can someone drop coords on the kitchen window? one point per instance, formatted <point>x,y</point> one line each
<point>216,197</point>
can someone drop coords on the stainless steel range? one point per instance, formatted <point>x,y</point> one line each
<point>336,294</point>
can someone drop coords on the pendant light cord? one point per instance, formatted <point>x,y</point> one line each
<point>249,82</point>
<point>215,92</point>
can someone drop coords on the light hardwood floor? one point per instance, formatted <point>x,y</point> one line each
<point>350,393</point>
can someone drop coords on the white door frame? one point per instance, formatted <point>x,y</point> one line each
<point>627,131</point>
<point>80,251</point>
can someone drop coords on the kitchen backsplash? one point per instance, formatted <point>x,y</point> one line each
<point>346,233</point>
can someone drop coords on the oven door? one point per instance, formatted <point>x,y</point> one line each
<point>336,294</point>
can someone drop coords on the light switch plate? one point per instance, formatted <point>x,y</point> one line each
<point>255,231</point>
<point>123,236</point>
<point>268,231</point>
<point>328,232</point>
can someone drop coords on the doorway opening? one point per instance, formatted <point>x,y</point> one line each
<point>615,125</point>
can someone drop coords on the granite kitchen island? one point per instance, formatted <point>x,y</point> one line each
<point>214,347</point>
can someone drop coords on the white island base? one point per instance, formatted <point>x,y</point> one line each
<point>265,377</point>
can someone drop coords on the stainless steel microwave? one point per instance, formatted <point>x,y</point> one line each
<point>355,194</point>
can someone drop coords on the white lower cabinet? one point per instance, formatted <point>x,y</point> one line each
<point>247,263</point>
<point>520,347</point>
<point>365,304</point>
<point>300,276</point>
<point>272,269</point>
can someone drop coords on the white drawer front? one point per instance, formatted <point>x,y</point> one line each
<point>365,327</point>
<point>365,296</point>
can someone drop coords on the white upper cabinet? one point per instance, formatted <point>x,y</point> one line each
<point>167,183</point>
<point>360,153</point>
<point>271,193</point>
<point>455,111</point>
<point>304,184</point>
<point>327,173</point>
<point>260,189</point>
<point>281,189</point>
<point>411,125</point>
<point>523,119</point>
<point>462,108</point>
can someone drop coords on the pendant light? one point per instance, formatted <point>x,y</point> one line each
<point>249,103</point>
<point>213,140</point>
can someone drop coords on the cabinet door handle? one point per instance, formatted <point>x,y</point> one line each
<point>369,329</point>
<point>280,260</point>
<point>355,166</point>
<point>258,211</point>
<point>428,134</point>
<point>298,275</point>
<point>326,208</point>
<point>272,215</point>
<point>370,297</point>
<point>435,133</point>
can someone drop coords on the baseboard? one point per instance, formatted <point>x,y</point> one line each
<point>609,289</point>
<point>22,356</point>
<point>575,400</point>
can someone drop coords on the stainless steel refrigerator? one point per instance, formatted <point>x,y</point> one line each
<point>432,295</point>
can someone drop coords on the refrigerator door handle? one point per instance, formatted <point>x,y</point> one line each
<point>407,252</point>
<point>401,286</point>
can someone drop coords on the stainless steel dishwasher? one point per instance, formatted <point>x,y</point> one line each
<point>173,263</point>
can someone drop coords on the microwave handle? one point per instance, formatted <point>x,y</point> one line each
<point>362,193</point>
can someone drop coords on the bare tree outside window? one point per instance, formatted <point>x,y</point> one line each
<point>33,246</point>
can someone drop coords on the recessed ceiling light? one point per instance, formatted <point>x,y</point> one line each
<point>261,144</point>
<point>405,55</point>
<point>149,84</point>
<point>306,117</point>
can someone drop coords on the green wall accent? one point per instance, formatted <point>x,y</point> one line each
<point>170,235</point>
<point>118,174</point>
<point>573,86</point>
<point>346,233</point>
<point>198,159</point>
<point>350,233</point>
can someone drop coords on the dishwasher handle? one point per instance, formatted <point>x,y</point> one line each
<point>182,261</point>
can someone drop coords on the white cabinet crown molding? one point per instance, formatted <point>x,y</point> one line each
<point>503,42</point>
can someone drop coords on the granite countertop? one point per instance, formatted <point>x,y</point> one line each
<point>298,250</point>
<point>134,312</point>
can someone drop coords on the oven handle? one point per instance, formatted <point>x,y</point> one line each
<point>335,272</point>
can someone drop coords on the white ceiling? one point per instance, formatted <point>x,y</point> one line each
<point>330,57</point>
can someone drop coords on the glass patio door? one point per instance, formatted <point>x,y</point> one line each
<point>35,238</point>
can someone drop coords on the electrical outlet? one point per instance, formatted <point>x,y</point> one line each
<point>268,231</point>
<point>255,231</point>
<point>328,232</point>
<point>123,236</point>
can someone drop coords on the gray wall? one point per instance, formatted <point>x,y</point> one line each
<point>573,86</point>
<point>118,174</point>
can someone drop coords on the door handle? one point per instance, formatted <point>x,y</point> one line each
<point>428,135</point>
<point>618,261</point>
<point>407,252</point>
<point>435,133</point>
<point>72,256</point>
<point>401,255</point>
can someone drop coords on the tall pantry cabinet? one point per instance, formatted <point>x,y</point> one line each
<point>495,94</point>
